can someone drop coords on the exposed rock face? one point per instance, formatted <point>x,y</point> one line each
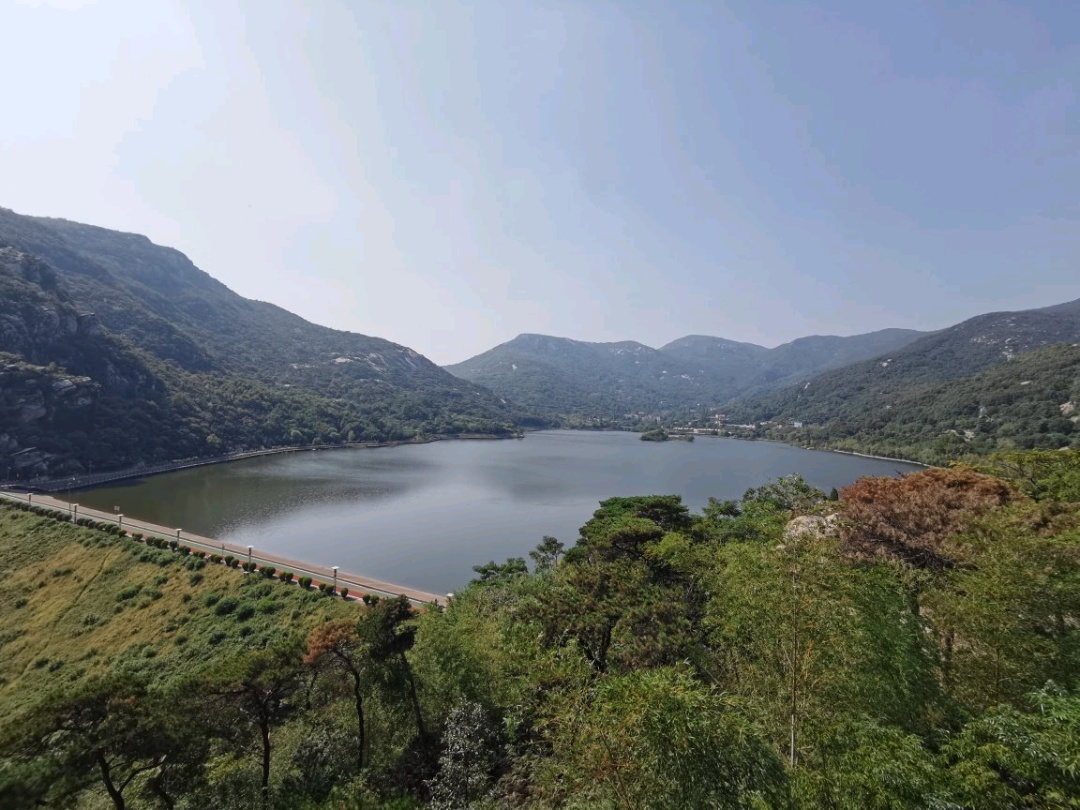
<point>33,401</point>
<point>32,322</point>
<point>811,526</point>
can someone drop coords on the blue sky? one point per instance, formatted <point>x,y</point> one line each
<point>447,175</point>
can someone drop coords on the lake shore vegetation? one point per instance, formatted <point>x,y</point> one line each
<point>913,643</point>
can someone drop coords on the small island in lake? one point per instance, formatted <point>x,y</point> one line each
<point>661,435</point>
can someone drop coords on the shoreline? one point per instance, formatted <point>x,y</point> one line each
<point>879,458</point>
<point>79,482</point>
<point>356,583</point>
<point>815,449</point>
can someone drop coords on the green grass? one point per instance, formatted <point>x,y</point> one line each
<point>77,602</point>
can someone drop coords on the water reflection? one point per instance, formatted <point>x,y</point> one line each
<point>423,515</point>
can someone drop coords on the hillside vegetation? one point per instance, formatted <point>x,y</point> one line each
<point>968,389</point>
<point>572,382</point>
<point>1029,402</point>
<point>117,351</point>
<point>915,643</point>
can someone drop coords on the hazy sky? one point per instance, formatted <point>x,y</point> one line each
<point>447,175</point>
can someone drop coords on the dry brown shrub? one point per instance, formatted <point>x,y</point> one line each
<point>913,518</point>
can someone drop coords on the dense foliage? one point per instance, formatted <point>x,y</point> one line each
<point>119,351</point>
<point>913,644</point>
<point>1031,402</point>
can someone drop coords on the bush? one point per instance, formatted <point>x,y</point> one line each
<point>226,606</point>
<point>185,550</point>
<point>344,593</point>
<point>137,536</point>
<point>200,554</point>
<point>130,592</point>
<point>215,558</point>
<point>305,582</point>
<point>245,612</point>
<point>229,560</point>
<point>286,576</point>
<point>195,577</point>
<point>268,571</point>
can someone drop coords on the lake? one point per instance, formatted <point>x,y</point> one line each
<point>423,515</point>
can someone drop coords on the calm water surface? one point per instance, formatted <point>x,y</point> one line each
<point>423,515</point>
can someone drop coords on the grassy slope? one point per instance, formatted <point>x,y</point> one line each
<point>76,602</point>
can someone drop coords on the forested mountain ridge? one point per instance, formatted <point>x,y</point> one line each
<point>561,377</point>
<point>954,379</point>
<point>1030,402</point>
<point>173,364</point>
<point>748,368</point>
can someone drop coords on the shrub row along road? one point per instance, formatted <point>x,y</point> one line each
<point>354,582</point>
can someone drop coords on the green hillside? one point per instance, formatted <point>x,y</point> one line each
<point>745,369</point>
<point>1030,402</point>
<point>913,644</point>
<point>77,603</point>
<point>574,382</point>
<point>171,364</point>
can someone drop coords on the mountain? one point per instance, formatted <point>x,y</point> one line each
<point>1030,402</point>
<point>169,363</point>
<point>561,378</point>
<point>575,380</point>
<point>746,367</point>
<point>882,401</point>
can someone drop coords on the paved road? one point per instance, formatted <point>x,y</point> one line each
<point>354,582</point>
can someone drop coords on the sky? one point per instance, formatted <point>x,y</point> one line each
<point>448,175</point>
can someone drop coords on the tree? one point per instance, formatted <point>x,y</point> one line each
<point>913,518</point>
<point>661,739</point>
<point>1006,618</point>
<point>810,640</point>
<point>790,493</point>
<point>113,731</point>
<point>471,747</point>
<point>336,647</point>
<point>547,553</point>
<point>258,688</point>
<point>492,573</point>
<point>1041,474</point>
<point>388,632</point>
<point>1019,756</point>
